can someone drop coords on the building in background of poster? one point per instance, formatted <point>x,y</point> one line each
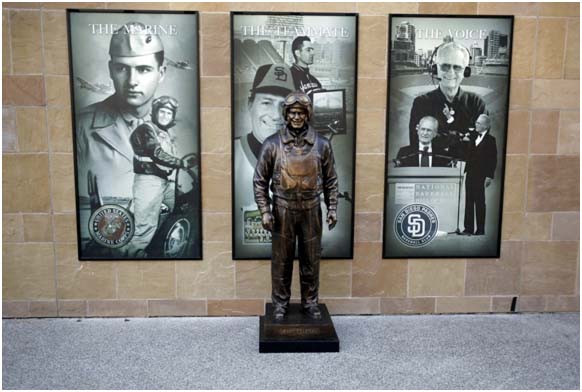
<point>135,87</point>
<point>446,135</point>
<point>272,55</point>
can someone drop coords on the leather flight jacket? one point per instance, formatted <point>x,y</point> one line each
<point>154,151</point>
<point>299,169</point>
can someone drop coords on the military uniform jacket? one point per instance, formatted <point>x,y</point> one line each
<point>154,151</point>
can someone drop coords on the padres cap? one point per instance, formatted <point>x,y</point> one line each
<point>132,40</point>
<point>273,79</point>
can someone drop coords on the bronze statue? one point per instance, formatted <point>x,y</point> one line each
<point>299,165</point>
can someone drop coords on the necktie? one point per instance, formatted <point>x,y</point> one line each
<point>424,158</point>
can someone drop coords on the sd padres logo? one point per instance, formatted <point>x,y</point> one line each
<point>416,225</point>
<point>111,226</point>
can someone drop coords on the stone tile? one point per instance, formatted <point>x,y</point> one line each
<point>463,305</point>
<point>169,308</point>
<point>517,9</point>
<point>72,308</point>
<point>325,7</point>
<point>518,226</point>
<point>139,6</point>
<point>58,91</point>
<point>26,42</point>
<point>495,276</point>
<point>68,5</point>
<point>60,130</point>
<point>12,228</point>
<point>215,92</point>
<point>28,175</point>
<point>436,277</point>
<point>236,307</point>
<point>65,228</point>
<point>550,180</point>
<point>6,55</point>
<point>253,278</point>
<point>63,182</point>
<point>555,94</point>
<point>572,60</point>
<point>201,7</point>
<point>31,125</point>
<point>374,277</point>
<point>38,228</point>
<point>216,131</point>
<point>515,175</point>
<point>407,305</point>
<point>520,93</point>
<point>43,308</point>
<point>352,305</point>
<point>501,304</point>
<point>562,303</point>
<point>372,93</point>
<point>215,42</point>
<point>117,308</point>
<point>12,309</point>
<point>56,55</point>
<point>216,180</point>
<point>369,183</point>
<point>143,280</point>
<point>550,48</point>
<point>549,268</point>
<point>371,131</point>
<point>544,132</point>
<point>213,277</point>
<point>372,48</point>
<point>447,8</point>
<point>383,8</point>
<point>518,132</point>
<point>335,278</point>
<point>559,9</point>
<point>524,30</point>
<point>23,90</point>
<point>28,271</point>
<point>531,304</point>
<point>566,226</point>
<point>569,134</point>
<point>21,5</point>
<point>368,227</point>
<point>9,131</point>
<point>217,227</point>
<point>83,280</point>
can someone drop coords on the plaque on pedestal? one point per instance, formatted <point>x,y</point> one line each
<point>297,333</point>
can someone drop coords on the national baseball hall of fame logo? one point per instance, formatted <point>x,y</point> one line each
<point>111,226</point>
<point>416,225</point>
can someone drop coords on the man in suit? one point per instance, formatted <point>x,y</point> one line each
<point>425,153</point>
<point>481,161</point>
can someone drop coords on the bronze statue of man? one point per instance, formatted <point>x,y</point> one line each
<point>298,164</point>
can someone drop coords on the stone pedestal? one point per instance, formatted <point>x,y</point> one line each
<point>297,333</point>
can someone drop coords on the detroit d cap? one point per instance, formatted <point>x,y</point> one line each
<point>273,79</point>
<point>132,40</point>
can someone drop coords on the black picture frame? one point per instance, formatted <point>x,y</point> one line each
<point>276,49</point>
<point>424,207</point>
<point>104,158</point>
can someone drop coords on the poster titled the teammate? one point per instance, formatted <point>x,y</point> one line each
<point>446,135</point>
<point>273,55</point>
<point>134,79</point>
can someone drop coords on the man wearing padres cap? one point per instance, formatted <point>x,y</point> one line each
<point>103,128</point>
<point>272,82</point>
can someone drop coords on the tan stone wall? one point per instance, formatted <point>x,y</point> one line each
<point>540,251</point>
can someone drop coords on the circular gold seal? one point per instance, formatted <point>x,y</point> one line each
<point>111,226</point>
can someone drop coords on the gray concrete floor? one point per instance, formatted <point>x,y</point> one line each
<point>517,351</point>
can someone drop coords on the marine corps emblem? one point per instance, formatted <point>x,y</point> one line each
<point>111,226</point>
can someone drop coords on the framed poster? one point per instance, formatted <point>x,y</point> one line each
<point>136,130</point>
<point>274,54</point>
<point>448,102</point>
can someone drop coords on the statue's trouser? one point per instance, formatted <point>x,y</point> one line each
<point>305,225</point>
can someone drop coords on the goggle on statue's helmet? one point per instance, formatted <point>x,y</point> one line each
<point>298,98</point>
<point>167,102</point>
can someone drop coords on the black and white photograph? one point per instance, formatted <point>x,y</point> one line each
<point>274,54</point>
<point>136,130</point>
<point>446,135</point>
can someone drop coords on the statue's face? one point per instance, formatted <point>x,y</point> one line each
<point>296,117</point>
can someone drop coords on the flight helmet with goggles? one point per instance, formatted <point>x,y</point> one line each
<point>298,98</point>
<point>167,102</point>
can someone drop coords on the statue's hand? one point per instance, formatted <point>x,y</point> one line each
<point>268,221</point>
<point>331,219</point>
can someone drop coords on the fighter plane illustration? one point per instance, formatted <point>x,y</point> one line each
<point>184,64</point>
<point>99,88</point>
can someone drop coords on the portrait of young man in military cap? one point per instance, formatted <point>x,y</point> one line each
<point>121,63</point>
